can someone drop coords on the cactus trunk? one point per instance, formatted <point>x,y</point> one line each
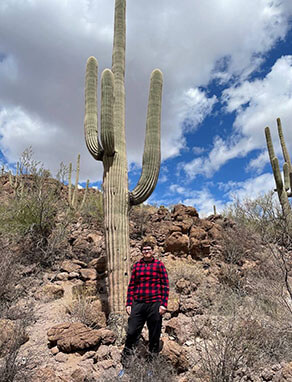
<point>282,187</point>
<point>112,152</point>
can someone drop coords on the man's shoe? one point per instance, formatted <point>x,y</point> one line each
<point>149,373</point>
<point>121,373</point>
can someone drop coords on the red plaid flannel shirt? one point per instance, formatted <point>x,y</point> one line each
<point>148,283</point>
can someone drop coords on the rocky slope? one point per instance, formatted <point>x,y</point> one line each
<point>215,326</point>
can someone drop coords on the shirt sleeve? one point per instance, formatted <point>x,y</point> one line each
<point>131,287</point>
<point>164,285</point>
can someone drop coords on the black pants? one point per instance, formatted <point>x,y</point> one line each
<point>143,312</point>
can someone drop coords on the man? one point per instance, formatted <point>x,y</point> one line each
<point>146,299</point>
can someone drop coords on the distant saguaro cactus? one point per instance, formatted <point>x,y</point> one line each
<point>284,189</point>
<point>112,152</point>
<point>73,201</point>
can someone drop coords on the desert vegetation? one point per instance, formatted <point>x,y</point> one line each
<point>230,305</point>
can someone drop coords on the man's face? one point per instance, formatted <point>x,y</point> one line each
<point>147,253</point>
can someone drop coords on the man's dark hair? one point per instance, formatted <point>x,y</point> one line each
<point>148,241</point>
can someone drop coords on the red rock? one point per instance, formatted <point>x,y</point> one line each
<point>177,243</point>
<point>74,336</point>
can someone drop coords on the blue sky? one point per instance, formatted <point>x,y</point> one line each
<point>227,69</point>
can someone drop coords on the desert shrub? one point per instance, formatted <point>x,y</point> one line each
<point>81,309</point>
<point>187,271</point>
<point>262,215</point>
<point>139,215</point>
<point>141,370</point>
<point>92,208</point>
<point>241,338</point>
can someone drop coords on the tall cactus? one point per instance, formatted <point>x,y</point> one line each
<point>73,201</point>
<point>284,189</point>
<point>117,200</point>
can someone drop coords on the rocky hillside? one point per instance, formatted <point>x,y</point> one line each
<point>229,313</point>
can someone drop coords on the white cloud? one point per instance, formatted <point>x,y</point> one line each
<point>257,104</point>
<point>42,72</point>
<point>195,106</point>
<point>204,202</point>
<point>251,188</point>
<point>257,164</point>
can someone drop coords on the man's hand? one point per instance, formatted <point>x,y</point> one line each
<point>128,309</point>
<point>162,309</point>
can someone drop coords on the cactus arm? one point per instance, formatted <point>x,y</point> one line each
<point>119,46</point>
<point>106,118</point>
<point>283,197</point>
<point>90,119</point>
<point>283,145</point>
<point>269,144</point>
<point>151,156</point>
<point>286,176</point>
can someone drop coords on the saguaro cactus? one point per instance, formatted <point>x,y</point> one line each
<point>284,189</point>
<point>112,152</point>
<point>73,201</point>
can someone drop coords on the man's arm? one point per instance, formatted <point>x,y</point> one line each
<point>164,285</point>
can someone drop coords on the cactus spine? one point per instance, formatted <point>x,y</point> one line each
<point>117,200</point>
<point>283,188</point>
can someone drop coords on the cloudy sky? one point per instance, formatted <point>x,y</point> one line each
<point>227,68</point>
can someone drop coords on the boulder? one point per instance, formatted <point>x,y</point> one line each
<point>107,336</point>
<point>70,337</point>
<point>69,266</point>
<point>177,243</point>
<point>199,248</point>
<point>175,354</point>
<point>99,264</point>
<point>10,332</point>
<point>180,327</point>
<point>181,210</point>
<point>87,274</point>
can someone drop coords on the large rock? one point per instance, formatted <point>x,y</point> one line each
<point>99,264</point>
<point>87,274</point>
<point>199,248</point>
<point>69,266</point>
<point>181,210</point>
<point>180,327</point>
<point>177,243</point>
<point>107,336</point>
<point>10,332</point>
<point>70,337</point>
<point>175,354</point>
<point>47,374</point>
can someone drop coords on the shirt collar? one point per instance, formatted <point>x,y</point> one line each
<point>147,262</point>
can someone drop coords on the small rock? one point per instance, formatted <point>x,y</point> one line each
<point>55,350</point>
<point>63,276</point>
<point>79,262</point>
<point>61,357</point>
<point>88,274</point>
<point>69,266</point>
